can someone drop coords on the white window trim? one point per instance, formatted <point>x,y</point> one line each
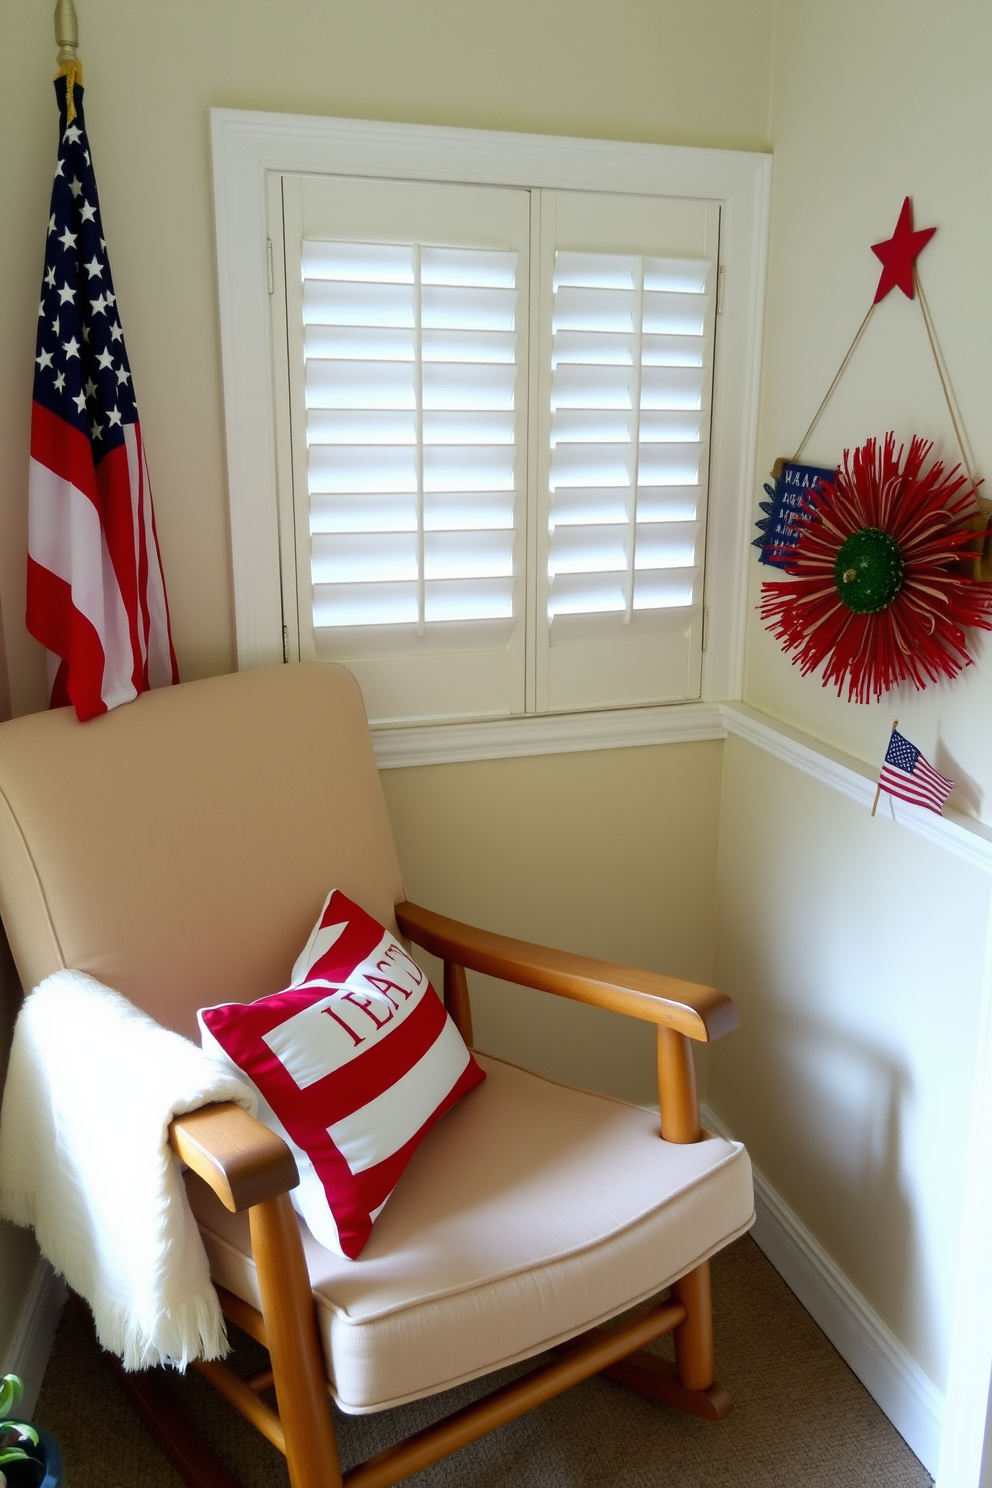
<point>249,146</point>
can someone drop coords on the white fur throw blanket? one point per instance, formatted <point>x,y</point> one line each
<point>84,1157</point>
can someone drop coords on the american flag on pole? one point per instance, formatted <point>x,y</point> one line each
<point>95,589</point>
<point>908,775</point>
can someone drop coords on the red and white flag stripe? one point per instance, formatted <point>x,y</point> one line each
<point>96,592</point>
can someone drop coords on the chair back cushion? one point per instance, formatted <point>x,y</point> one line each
<point>180,847</point>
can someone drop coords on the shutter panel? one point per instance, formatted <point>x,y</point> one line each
<point>414,384</point>
<point>629,355</point>
<point>411,459</point>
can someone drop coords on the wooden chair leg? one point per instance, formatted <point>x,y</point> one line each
<point>694,1337</point>
<point>294,1346</point>
<point>688,1384</point>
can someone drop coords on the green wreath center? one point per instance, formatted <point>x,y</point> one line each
<point>869,571</point>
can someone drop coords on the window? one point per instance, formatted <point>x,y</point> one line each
<point>510,437</point>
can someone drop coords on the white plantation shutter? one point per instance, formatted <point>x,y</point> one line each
<point>629,360</point>
<point>410,356</point>
<point>409,475</point>
<point>469,542</point>
<point>628,373</point>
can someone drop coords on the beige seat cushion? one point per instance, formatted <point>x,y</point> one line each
<point>531,1212</point>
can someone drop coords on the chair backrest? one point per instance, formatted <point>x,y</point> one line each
<point>179,848</point>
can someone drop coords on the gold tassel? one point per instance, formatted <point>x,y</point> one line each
<point>72,71</point>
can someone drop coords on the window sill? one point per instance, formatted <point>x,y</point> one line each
<point>403,745</point>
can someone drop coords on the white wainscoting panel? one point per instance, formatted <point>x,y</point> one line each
<point>884,1366</point>
<point>34,1335</point>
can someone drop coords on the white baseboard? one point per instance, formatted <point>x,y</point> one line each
<point>887,1370</point>
<point>31,1344</point>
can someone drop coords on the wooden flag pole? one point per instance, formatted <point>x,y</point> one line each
<point>67,41</point>
<point>878,788</point>
<point>66,31</point>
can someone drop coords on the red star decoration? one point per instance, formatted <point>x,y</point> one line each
<point>898,254</point>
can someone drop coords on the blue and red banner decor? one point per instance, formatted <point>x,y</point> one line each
<point>787,509</point>
<point>95,588</point>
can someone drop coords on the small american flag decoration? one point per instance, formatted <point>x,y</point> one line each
<point>906,773</point>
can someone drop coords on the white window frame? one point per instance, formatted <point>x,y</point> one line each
<point>250,147</point>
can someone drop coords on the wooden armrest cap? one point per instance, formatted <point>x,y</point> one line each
<point>691,1008</point>
<point>242,1161</point>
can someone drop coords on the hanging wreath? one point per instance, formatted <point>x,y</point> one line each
<point>878,588</point>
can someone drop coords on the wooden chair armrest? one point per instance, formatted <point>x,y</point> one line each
<point>242,1161</point>
<point>690,1008</point>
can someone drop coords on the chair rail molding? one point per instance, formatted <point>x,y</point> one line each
<point>954,832</point>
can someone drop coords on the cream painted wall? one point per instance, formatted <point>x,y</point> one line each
<point>680,71</point>
<point>611,856</point>
<point>581,850</point>
<point>855,952</point>
<point>837,1079</point>
<point>871,103</point>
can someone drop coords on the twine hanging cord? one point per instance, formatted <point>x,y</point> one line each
<point>938,363</point>
<point>839,374</point>
<point>944,383</point>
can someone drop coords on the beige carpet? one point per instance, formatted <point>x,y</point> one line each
<point>800,1418</point>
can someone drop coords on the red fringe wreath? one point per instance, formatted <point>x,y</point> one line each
<point>915,627</point>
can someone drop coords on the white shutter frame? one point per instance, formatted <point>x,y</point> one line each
<point>250,148</point>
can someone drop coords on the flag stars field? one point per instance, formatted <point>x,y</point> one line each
<point>73,328</point>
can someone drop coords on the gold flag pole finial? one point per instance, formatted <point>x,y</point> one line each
<point>67,40</point>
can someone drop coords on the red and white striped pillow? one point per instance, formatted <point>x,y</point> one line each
<point>353,1063</point>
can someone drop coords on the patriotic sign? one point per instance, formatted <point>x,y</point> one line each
<point>787,509</point>
<point>95,589</point>
<point>908,775</point>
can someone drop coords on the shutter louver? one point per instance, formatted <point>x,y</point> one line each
<point>631,353</point>
<point>411,369</point>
